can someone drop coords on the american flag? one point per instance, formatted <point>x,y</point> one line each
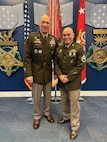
<point>27,27</point>
<point>27,30</point>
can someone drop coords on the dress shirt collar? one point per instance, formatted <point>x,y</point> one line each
<point>44,35</point>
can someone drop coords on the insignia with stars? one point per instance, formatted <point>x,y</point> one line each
<point>10,59</point>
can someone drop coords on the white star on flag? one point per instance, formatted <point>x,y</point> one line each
<point>27,28</point>
<point>98,16</point>
<point>82,10</point>
<point>8,19</point>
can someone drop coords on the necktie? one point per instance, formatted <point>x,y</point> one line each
<point>45,39</point>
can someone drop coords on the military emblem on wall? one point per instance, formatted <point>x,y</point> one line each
<point>97,52</point>
<point>10,58</point>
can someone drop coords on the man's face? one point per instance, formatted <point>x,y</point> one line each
<point>68,36</point>
<point>44,24</point>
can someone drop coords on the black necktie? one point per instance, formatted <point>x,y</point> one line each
<point>45,39</point>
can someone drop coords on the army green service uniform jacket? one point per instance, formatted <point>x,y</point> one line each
<point>70,61</point>
<point>38,56</point>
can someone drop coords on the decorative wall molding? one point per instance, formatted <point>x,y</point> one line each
<point>29,94</point>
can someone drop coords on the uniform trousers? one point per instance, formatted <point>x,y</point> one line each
<point>37,90</point>
<point>70,107</point>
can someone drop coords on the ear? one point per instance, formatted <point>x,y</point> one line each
<point>73,35</point>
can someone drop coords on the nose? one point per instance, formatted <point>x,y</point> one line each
<point>45,24</point>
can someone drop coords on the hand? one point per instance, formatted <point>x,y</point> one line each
<point>30,79</point>
<point>64,78</point>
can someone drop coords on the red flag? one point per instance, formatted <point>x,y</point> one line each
<point>54,13</point>
<point>81,31</point>
<point>57,20</point>
<point>50,14</point>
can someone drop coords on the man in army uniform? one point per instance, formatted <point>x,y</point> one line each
<point>69,62</point>
<point>39,52</point>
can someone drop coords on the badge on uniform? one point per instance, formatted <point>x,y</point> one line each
<point>37,41</point>
<point>60,51</point>
<point>37,51</point>
<point>72,52</point>
<point>83,58</point>
<point>71,61</point>
<point>52,42</point>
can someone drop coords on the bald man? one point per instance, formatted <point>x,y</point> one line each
<point>69,62</point>
<point>39,52</point>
